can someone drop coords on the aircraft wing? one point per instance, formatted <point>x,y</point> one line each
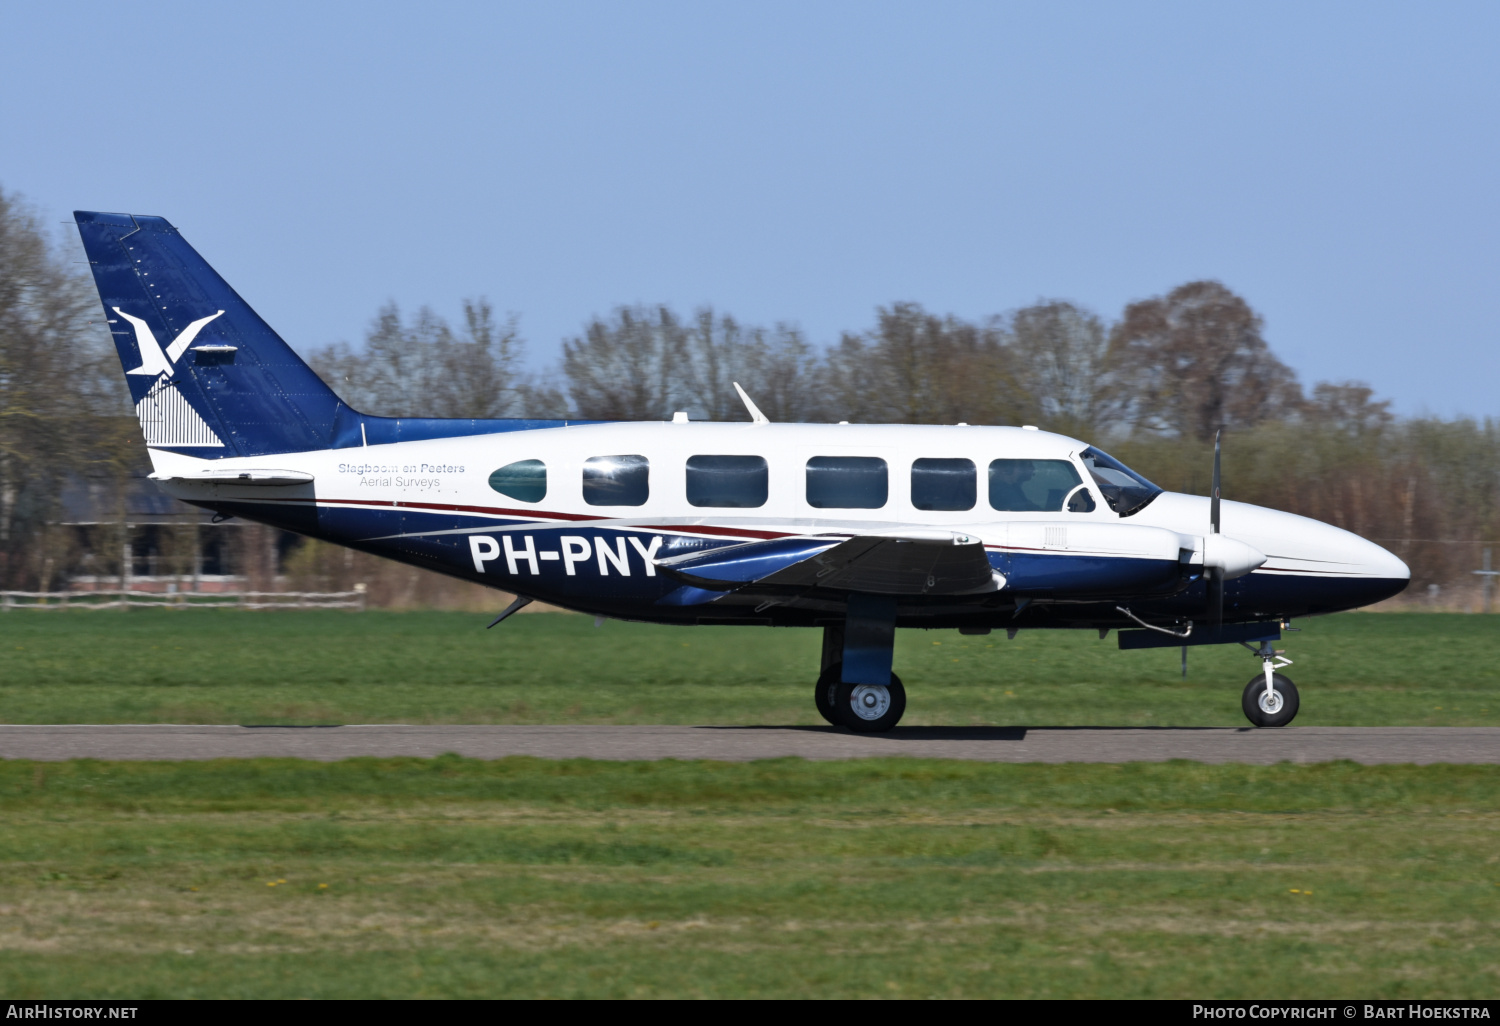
<point>918,563</point>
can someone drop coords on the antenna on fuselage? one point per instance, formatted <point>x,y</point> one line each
<point>755,414</point>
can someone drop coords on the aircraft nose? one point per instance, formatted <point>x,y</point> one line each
<point>1352,570</point>
<point>1293,543</point>
<point>1381,562</point>
<point>1325,568</point>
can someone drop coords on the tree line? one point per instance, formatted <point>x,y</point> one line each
<point>1179,365</point>
<point>1152,385</point>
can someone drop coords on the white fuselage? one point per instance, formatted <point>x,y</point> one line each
<point>430,482</point>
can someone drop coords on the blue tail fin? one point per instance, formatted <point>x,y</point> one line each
<point>208,377</point>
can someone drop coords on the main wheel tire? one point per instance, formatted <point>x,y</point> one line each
<point>823,693</point>
<point>870,708</point>
<point>1283,704</point>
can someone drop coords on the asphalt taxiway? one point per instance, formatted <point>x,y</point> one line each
<point>1368,745</point>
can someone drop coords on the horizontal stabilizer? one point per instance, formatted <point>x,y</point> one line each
<point>239,477</point>
<point>936,563</point>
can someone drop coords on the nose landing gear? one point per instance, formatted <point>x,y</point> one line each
<point>1270,700</point>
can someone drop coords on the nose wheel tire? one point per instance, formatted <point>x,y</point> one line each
<point>1274,710</point>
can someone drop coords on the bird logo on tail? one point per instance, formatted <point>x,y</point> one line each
<point>167,419</point>
<point>154,361</point>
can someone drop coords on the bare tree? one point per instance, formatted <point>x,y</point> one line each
<point>915,367</point>
<point>1061,360</point>
<point>1349,407</point>
<point>716,353</point>
<point>1194,360</point>
<point>629,367</point>
<point>645,363</point>
<point>424,368</point>
<point>773,366</point>
<point>60,384</point>
<point>783,378</point>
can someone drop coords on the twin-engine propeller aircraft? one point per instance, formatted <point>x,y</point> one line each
<point>857,529</point>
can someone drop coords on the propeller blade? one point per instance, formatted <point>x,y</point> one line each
<point>1213,501</point>
<point>1215,575</point>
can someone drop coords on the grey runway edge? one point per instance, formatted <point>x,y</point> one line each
<point>1369,745</point>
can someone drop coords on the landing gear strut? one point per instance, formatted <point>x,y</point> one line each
<point>856,688</point>
<point>1270,700</point>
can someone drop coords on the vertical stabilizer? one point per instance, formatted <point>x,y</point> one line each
<point>209,378</point>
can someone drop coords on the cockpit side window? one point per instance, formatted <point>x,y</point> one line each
<point>1126,491</point>
<point>1033,486</point>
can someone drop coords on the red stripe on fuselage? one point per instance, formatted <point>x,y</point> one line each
<point>532,515</point>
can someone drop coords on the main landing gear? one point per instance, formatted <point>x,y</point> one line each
<point>1270,700</point>
<point>863,708</point>
<point>856,688</point>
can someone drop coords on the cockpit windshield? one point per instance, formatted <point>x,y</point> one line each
<point>1126,491</point>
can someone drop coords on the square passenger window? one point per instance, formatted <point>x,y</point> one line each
<point>736,482</point>
<point>943,484</point>
<point>847,482</point>
<point>616,480</point>
<point>1033,486</point>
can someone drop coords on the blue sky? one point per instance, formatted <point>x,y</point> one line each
<point>1333,163</point>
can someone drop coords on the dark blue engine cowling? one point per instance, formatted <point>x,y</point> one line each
<point>1063,575</point>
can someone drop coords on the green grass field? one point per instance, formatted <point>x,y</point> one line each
<point>207,666</point>
<point>884,878</point>
<point>876,878</point>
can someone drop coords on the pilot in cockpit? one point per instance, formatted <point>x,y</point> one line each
<point>1006,479</point>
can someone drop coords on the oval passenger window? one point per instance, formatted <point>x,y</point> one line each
<point>525,480</point>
